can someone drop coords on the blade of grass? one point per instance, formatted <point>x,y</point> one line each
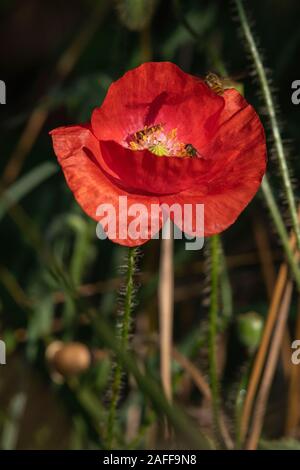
<point>269,103</point>
<point>281,230</point>
<point>12,286</point>
<point>25,184</point>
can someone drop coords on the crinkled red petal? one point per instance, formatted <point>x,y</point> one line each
<point>158,93</point>
<point>77,151</point>
<point>143,172</point>
<point>239,154</point>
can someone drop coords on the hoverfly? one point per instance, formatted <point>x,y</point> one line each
<point>146,131</point>
<point>190,150</point>
<point>220,84</point>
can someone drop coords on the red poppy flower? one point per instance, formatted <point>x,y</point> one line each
<point>164,136</point>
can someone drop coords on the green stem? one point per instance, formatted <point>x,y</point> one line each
<point>283,166</point>
<point>213,324</point>
<point>124,328</point>
<point>148,385</point>
<point>239,403</point>
<point>280,227</point>
<point>225,290</point>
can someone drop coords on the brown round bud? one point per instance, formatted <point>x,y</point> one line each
<point>71,359</point>
<point>52,349</point>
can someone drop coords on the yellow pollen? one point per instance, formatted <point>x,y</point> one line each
<point>161,143</point>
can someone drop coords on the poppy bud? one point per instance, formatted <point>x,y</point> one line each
<point>249,328</point>
<point>68,359</point>
<point>136,14</point>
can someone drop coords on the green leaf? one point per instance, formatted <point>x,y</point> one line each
<point>25,184</point>
<point>40,324</point>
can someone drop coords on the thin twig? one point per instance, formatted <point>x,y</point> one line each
<point>203,387</point>
<point>262,351</point>
<point>269,275</point>
<point>285,353</point>
<point>194,372</point>
<point>166,301</point>
<point>262,398</point>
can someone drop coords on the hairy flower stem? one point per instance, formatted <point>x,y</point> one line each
<point>124,330</point>
<point>260,70</point>
<point>151,389</point>
<point>213,324</point>
<point>280,227</point>
<point>225,289</point>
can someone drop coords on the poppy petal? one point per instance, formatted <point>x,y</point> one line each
<point>238,151</point>
<point>76,149</point>
<point>158,93</point>
<point>143,172</point>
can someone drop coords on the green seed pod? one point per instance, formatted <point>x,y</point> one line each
<point>136,14</point>
<point>249,329</point>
